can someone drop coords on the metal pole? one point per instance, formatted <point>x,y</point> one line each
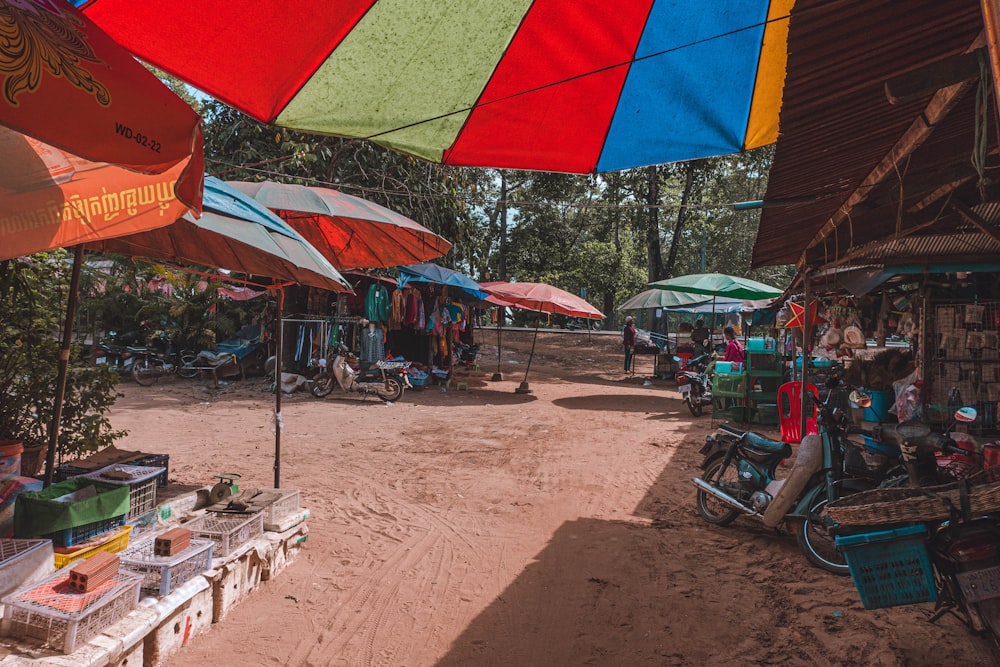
<point>278,424</point>
<point>805,357</point>
<point>501,311</point>
<point>523,388</point>
<point>63,369</point>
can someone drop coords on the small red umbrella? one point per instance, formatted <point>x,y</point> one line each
<point>541,298</point>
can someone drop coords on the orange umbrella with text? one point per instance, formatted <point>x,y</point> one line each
<point>93,146</point>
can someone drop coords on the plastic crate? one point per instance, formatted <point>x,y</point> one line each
<point>142,485</point>
<point>66,471</point>
<point>71,537</point>
<point>890,567</point>
<point>23,562</point>
<point>156,461</point>
<point>114,543</point>
<point>729,385</point>
<point>161,574</point>
<point>227,531</point>
<point>281,509</point>
<point>63,619</point>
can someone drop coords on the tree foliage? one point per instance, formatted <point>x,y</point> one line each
<point>33,293</point>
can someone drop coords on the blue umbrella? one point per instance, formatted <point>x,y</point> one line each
<point>429,272</point>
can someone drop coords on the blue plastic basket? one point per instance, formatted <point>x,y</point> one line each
<point>71,537</point>
<point>890,567</point>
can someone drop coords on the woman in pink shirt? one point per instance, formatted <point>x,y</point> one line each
<point>734,350</point>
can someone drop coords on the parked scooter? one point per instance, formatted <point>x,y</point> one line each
<point>740,477</point>
<point>386,379</point>
<point>694,383</point>
<point>119,350</point>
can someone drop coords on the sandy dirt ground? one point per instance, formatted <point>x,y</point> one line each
<point>483,527</point>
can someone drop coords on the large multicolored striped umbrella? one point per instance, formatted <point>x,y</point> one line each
<point>555,85</point>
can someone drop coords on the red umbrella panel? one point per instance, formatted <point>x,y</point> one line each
<point>93,144</point>
<point>351,232</point>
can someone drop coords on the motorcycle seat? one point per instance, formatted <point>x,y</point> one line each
<point>213,359</point>
<point>766,445</point>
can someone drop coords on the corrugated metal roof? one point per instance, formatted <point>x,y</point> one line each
<point>837,126</point>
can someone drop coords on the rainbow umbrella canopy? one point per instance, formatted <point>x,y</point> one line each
<point>562,85</point>
<point>93,145</point>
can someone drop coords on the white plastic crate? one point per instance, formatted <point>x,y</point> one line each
<point>227,531</point>
<point>141,481</point>
<point>51,612</point>
<point>23,562</point>
<point>278,511</point>
<point>161,574</point>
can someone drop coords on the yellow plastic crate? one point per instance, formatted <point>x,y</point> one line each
<point>114,544</point>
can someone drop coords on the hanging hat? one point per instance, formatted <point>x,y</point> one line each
<point>854,337</point>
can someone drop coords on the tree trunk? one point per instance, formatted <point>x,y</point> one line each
<point>675,242</point>
<point>502,265</point>
<point>653,253</point>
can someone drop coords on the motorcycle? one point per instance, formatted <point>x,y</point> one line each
<point>160,358</point>
<point>386,379</point>
<point>120,349</point>
<point>963,549</point>
<point>575,323</point>
<point>695,384</point>
<point>740,478</point>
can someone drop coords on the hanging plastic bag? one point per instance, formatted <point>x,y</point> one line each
<point>908,406</point>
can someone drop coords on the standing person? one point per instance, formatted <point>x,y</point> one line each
<point>628,339</point>
<point>734,350</point>
<point>700,337</point>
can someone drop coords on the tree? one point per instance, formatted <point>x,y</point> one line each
<point>33,292</point>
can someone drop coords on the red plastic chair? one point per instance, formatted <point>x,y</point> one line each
<point>790,411</point>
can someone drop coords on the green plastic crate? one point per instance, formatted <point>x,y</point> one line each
<point>729,385</point>
<point>890,567</point>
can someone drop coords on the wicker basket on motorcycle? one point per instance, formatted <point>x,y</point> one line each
<point>902,505</point>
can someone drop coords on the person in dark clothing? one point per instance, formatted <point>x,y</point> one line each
<point>628,340</point>
<point>700,337</point>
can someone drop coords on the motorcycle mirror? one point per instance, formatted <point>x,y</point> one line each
<point>966,414</point>
<point>677,359</point>
<point>860,399</point>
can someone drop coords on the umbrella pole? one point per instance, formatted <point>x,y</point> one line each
<point>523,388</point>
<point>498,376</point>
<point>278,425</point>
<point>63,369</point>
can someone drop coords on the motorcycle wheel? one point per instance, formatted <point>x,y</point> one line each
<point>185,369</point>
<point>711,509</point>
<point>596,325</point>
<point>321,385</point>
<point>694,405</point>
<point>393,390</point>
<point>817,543</point>
<point>144,373</point>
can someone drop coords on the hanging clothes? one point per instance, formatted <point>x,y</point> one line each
<point>410,314</point>
<point>377,303</point>
<point>397,307</point>
<point>372,345</point>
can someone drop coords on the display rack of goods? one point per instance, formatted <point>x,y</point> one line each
<point>162,574</point>
<point>228,531</point>
<point>140,480</point>
<point>52,612</point>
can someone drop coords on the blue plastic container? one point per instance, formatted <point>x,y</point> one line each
<point>878,411</point>
<point>890,567</point>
